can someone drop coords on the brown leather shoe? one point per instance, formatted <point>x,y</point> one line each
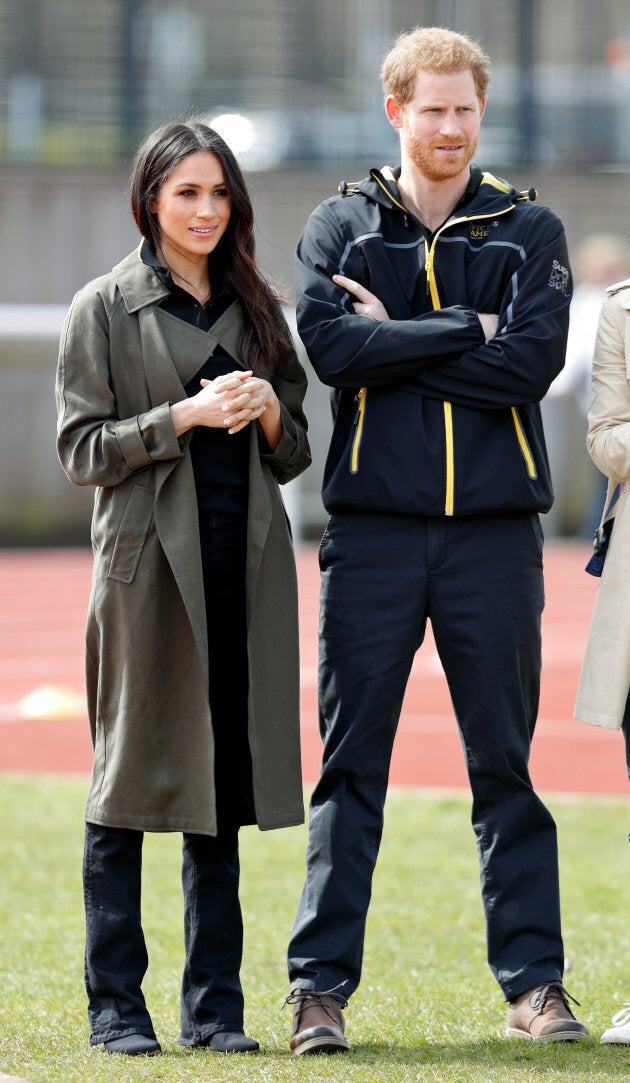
<point>543,1014</point>
<point>318,1025</point>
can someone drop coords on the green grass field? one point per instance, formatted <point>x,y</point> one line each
<point>428,1007</point>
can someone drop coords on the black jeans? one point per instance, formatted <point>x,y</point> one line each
<point>479,581</point>
<point>116,956</point>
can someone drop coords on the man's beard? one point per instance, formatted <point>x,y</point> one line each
<point>435,167</point>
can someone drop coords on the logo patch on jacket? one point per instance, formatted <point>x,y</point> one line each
<point>559,278</point>
<point>479,230</point>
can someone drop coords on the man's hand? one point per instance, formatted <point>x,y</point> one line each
<point>490,323</point>
<point>367,304</point>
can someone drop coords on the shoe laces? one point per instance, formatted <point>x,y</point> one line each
<point>622,1017</point>
<point>299,996</point>
<point>553,991</point>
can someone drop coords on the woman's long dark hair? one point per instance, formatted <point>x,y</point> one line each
<point>264,340</point>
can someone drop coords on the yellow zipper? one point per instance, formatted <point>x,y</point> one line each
<point>522,439</point>
<point>449,502</point>
<point>432,284</point>
<point>429,261</point>
<point>449,481</point>
<point>356,443</point>
<point>449,484</point>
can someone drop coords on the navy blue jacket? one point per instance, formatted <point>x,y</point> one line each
<point>428,417</point>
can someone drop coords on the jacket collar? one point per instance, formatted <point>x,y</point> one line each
<point>623,288</point>
<point>485,194</point>
<point>387,180</point>
<point>138,283</point>
<point>140,287</point>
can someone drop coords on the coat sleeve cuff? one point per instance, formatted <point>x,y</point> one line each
<point>292,456</point>
<point>148,438</point>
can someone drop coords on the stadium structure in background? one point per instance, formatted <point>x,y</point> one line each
<point>294,87</point>
<point>295,82</point>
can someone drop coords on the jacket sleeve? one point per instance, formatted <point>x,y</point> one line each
<point>95,445</point>
<point>348,350</point>
<point>608,439</point>
<point>528,352</point>
<point>292,455</point>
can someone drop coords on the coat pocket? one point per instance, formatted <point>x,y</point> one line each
<point>132,533</point>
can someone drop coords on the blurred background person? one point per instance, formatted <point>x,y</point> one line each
<point>179,398</point>
<point>598,261</point>
<point>602,697</point>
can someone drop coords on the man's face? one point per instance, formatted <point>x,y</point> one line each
<point>439,126</point>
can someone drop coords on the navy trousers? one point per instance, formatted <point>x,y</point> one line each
<point>479,581</point>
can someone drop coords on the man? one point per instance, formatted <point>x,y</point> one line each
<point>434,301</point>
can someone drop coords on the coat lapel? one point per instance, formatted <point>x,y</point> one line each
<point>173,349</point>
<point>190,347</point>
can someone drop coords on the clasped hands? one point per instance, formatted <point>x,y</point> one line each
<point>368,304</point>
<point>233,400</point>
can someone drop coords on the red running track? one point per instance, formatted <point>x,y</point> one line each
<point>42,719</point>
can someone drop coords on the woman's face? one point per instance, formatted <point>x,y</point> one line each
<point>193,207</point>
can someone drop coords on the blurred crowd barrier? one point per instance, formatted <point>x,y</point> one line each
<point>293,82</point>
<point>38,505</point>
<point>294,88</point>
<point>77,225</point>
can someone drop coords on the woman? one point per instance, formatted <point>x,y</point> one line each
<point>602,697</point>
<point>180,398</point>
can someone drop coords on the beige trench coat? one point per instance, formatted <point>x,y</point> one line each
<point>122,361</point>
<point>605,676</point>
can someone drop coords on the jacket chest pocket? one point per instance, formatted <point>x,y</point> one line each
<point>132,533</point>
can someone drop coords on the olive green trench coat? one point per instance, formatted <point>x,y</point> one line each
<point>122,362</point>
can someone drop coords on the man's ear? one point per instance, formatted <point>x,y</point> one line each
<point>394,111</point>
<point>482,107</point>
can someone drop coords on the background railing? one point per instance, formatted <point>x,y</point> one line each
<point>294,86</point>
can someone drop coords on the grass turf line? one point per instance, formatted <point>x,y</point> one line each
<point>428,1007</point>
